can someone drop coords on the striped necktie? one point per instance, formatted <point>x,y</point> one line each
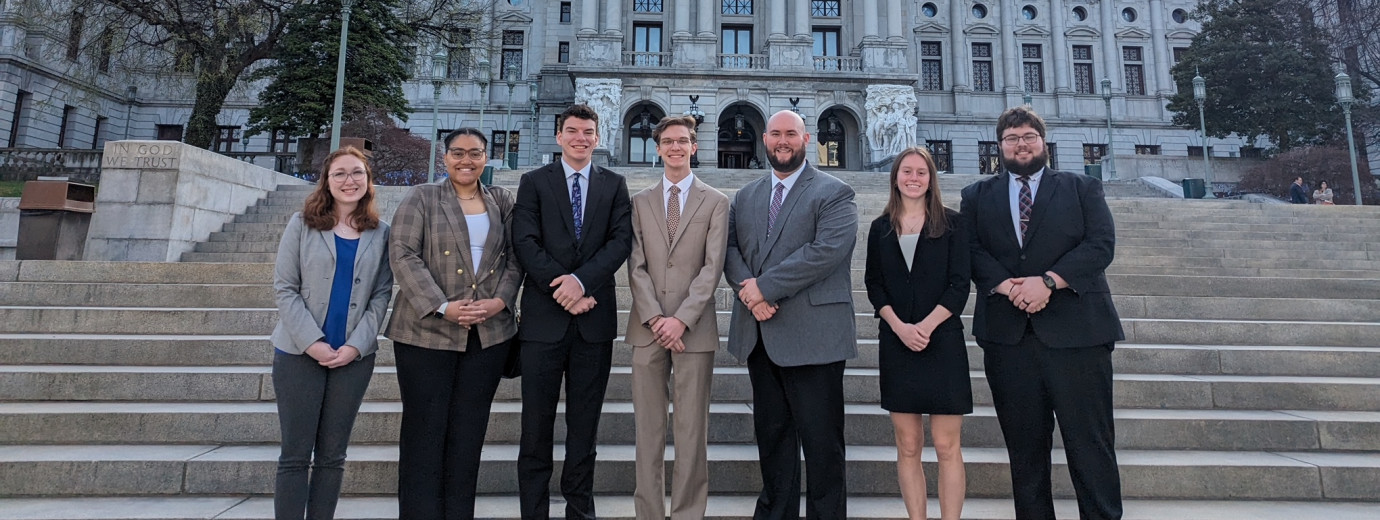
<point>1026,203</point>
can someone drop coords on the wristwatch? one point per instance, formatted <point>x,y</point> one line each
<point>1049,281</point>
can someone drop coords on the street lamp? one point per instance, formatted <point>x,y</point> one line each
<point>532,94</point>
<point>1200,95</point>
<point>512,75</point>
<point>695,112</point>
<point>438,73</point>
<point>1344,98</point>
<point>340,73</point>
<point>1110,159</point>
<point>483,81</point>
<point>1025,96</point>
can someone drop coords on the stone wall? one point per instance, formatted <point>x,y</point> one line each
<point>1224,169</point>
<point>9,226</point>
<point>159,198</point>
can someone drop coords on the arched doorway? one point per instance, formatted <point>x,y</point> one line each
<point>836,141</point>
<point>739,134</point>
<point>640,120</point>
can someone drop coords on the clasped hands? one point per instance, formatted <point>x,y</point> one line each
<point>332,358</point>
<point>571,295</point>
<point>751,296</point>
<point>669,332</point>
<point>1028,294</point>
<point>469,313</point>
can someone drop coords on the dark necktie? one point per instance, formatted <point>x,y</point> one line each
<point>1026,202</point>
<point>576,203</point>
<point>775,206</point>
<point>672,213</point>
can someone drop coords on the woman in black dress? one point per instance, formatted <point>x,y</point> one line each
<point>917,278</point>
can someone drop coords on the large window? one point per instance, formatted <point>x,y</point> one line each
<point>824,8</point>
<point>1133,60</point>
<point>503,140</point>
<point>943,156</point>
<point>1147,149</point>
<point>1032,67</point>
<point>169,132</point>
<point>647,40</point>
<point>457,55</point>
<point>646,6</point>
<point>1083,70</point>
<point>989,157</point>
<point>563,52</point>
<point>565,12</point>
<point>982,67</point>
<point>74,30</point>
<point>226,137</point>
<point>20,103</point>
<point>98,133</point>
<point>512,57</point>
<point>737,40</point>
<point>67,112</point>
<point>1053,157</point>
<point>826,44</point>
<point>931,66</point>
<point>105,50</point>
<point>1093,153</point>
<point>641,147</point>
<point>740,7</point>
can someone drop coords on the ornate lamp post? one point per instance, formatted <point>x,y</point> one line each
<point>1345,99</point>
<point>532,93</point>
<point>511,158</point>
<point>438,74</point>
<point>695,112</point>
<point>1110,160</point>
<point>345,6</point>
<point>1025,96</point>
<point>1200,95</point>
<point>483,81</point>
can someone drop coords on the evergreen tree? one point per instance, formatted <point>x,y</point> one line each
<point>301,94</point>
<point>1268,70</point>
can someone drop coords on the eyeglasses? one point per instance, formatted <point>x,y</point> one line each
<point>357,175</point>
<point>1011,140</point>
<point>460,153</point>
<point>682,142</point>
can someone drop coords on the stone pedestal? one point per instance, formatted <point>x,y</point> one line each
<point>601,50</point>
<point>788,54</point>
<point>694,52</point>
<point>884,57</point>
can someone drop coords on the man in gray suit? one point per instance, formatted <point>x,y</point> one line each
<point>790,247</point>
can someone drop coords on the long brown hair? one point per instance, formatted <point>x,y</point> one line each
<point>319,211</point>
<point>936,221</point>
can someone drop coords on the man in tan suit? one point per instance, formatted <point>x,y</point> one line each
<point>680,230</point>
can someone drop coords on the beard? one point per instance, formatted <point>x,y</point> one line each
<point>1026,168</point>
<point>788,166</point>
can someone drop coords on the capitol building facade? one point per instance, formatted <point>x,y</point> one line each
<point>870,77</point>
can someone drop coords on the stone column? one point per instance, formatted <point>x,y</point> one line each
<point>681,10</point>
<point>1063,73</point>
<point>1111,55</point>
<point>958,60</point>
<point>894,21</point>
<point>1011,53</point>
<point>708,8</point>
<point>777,19</point>
<point>871,31</point>
<point>589,16</point>
<point>613,17</point>
<point>1164,84</point>
<point>801,19</point>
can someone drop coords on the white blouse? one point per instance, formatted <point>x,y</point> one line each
<point>479,232</point>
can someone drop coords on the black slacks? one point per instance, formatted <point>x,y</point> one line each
<point>795,408</point>
<point>1032,384</point>
<point>585,369</point>
<point>446,396</point>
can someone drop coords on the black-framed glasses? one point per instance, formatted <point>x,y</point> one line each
<point>1011,140</point>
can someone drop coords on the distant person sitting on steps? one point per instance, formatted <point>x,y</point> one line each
<point>1297,193</point>
<point>1322,195</point>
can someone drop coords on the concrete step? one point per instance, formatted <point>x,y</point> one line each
<point>1124,251</point>
<point>253,383</point>
<point>729,423</point>
<point>1321,246</point>
<point>1244,272</point>
<point>30,470</point>
<point>1128,358</point>
<point>620,507</point>
<point>192,256</point>
<point>137,294</point>
<point>231,321</point>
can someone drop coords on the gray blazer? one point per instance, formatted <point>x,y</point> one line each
<point>302,279</point>
<point>804,267</point>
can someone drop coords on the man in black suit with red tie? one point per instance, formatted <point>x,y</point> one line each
<point>1041,243</point>
<point>572,230</point>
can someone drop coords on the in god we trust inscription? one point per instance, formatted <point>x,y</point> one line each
<point>142,155</point>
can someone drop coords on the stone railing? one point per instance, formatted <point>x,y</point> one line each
<point>838,63</point>
<point>26,164</point>
<point>743,61</point>
<point>281,162</point>
<point>647,59</point>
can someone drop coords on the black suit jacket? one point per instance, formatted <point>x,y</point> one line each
<point>938,274</point>
<point>1070,233</point>
<point>544,243</point>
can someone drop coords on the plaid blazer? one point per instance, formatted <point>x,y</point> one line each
<point>429,249</point>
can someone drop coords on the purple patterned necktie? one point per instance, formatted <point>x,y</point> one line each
<point>1026,202</point>
<point>775,207</point>
<point>577,205</point>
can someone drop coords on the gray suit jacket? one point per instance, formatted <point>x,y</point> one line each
<point>803,266</point>
<point>677,278</point>
<point>302,279</point>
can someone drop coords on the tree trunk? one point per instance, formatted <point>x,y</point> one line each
<point>211,90</point>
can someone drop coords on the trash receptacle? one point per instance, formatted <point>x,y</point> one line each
<point>54,215</point>
<point>487,178</point>
<point>1194,188</point>
<point>1093,170</point>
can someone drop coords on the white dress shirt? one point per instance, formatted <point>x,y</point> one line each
<point>1014,190</point>
<point>684,186</point>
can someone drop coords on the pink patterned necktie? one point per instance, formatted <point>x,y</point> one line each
<point>775,206</point>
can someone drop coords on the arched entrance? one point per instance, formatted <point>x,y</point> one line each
<point>640,120</point>
<point>836,141</point>
<point>739,134</point>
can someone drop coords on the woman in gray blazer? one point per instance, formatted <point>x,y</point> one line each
<point>452,327</point>
<point>332,285</point>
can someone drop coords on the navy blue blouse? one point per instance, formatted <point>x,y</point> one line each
<point>338,312</point>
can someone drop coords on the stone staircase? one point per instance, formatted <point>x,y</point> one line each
<point>1248,386</point>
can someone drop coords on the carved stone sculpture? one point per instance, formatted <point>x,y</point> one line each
<point>891,120</point>
<point>605,96</point>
